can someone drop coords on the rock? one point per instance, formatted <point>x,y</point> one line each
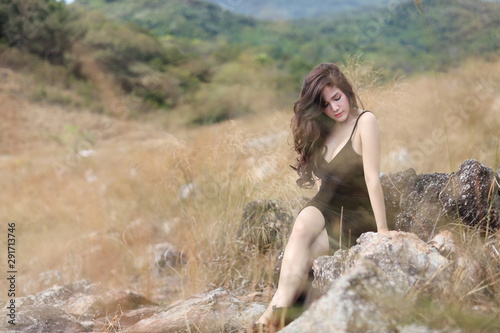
<point>71,296</point>
<point>265,224</point>
<point>424,204</point>
<point>359,301</point>
<point>413,201</point>
<point>403,257</point>
<point>44,318</point>
<point>118,300</point>
<point>472,194</point>
<point>216,311</point>
<point>74,307</point>
<point>466,269</point>
<point>443,242</point>
<point>397,187</point>
<point>119,321</point>
<point>167,257</point>
<point>45,280</point>
<point>45,311</point>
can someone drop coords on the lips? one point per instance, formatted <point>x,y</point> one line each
<point>338,115</point>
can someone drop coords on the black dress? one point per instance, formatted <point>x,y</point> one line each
<point>343,192</point>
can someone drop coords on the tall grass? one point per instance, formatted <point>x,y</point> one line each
<point>100,218</point>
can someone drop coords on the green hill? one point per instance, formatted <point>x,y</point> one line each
<point>392,35</point>
<point>402,38</point>
<point>182,18</point>
<point>294,9</point>
<point>171,54</point>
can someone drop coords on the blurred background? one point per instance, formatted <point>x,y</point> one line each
<point>130,123</point>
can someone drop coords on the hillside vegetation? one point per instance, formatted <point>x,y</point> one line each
<point>167,55</point>
<point>294,9</point>
<point>106,126</point>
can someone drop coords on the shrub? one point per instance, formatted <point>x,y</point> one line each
<point>38,26</point>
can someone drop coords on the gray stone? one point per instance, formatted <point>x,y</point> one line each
<point>74,307</point>
<point>120,321</point>
<point>43,318</point>
<point>467,271</point>
<point>216,311</point>
<point>403,257</point>
<point>413,202</point>
<point>424,204</point>
<point>472,196</point>
<point>358,301</point>
<point>363,299</point>
<point>167,257</point>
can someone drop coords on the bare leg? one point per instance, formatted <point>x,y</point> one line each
<point>307,241</point>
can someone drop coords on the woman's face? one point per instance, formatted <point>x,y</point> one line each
<point>335,104</point>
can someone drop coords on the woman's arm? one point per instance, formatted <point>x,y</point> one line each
<point>318,184</point>
<point>370,149</point>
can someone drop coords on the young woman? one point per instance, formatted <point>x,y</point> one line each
<point>339,150</point>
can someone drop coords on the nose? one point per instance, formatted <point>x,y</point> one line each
<point>334,106</point>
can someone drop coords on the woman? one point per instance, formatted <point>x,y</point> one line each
<point>339,150</point>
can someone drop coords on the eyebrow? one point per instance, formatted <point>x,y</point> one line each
<point>334,95</point>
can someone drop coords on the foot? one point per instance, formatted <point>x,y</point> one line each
<point>275,318</point>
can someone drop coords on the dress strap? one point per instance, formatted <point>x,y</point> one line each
<point>356,124</point>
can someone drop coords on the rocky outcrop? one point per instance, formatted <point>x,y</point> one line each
<point>473,194</point>
<point>355,302</point>
<point>422,204</point>
<point>405,260</point>
<point>425,203</point>
<point>361,300</point>
<point>366,288</point>
<point>84,307</point>
<point>216,311</point>
<point>73,308</point>
<point>44,318</point>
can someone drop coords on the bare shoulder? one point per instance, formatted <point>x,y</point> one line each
<point>368,120</point>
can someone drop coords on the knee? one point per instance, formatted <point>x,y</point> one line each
<point>304,231</point>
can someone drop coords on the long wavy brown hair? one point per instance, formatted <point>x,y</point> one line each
<point>310,126</point>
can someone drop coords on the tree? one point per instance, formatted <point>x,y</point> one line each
<point>39,26</point>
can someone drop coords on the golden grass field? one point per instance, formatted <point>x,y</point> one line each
<point>96,217</point>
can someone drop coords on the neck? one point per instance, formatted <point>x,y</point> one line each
<point>353,115</point>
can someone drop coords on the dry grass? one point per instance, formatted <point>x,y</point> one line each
<point>97,217</point>
<point>442,120</point>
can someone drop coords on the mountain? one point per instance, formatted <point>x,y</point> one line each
<point>293,9</point>
<point>400,37</point>
<point>182,18</point>
<point>395,35</point>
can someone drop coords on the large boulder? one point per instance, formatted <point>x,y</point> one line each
<point>361,300</point>
<point>43,318</point>
<point>404,258</point>
<point>74,307</point>
<point>216,311</point>
<point>45,311</point>
<point>366,288</point>
<point>353,303</point>
<point>425,203</point>
<point>473,196</point>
